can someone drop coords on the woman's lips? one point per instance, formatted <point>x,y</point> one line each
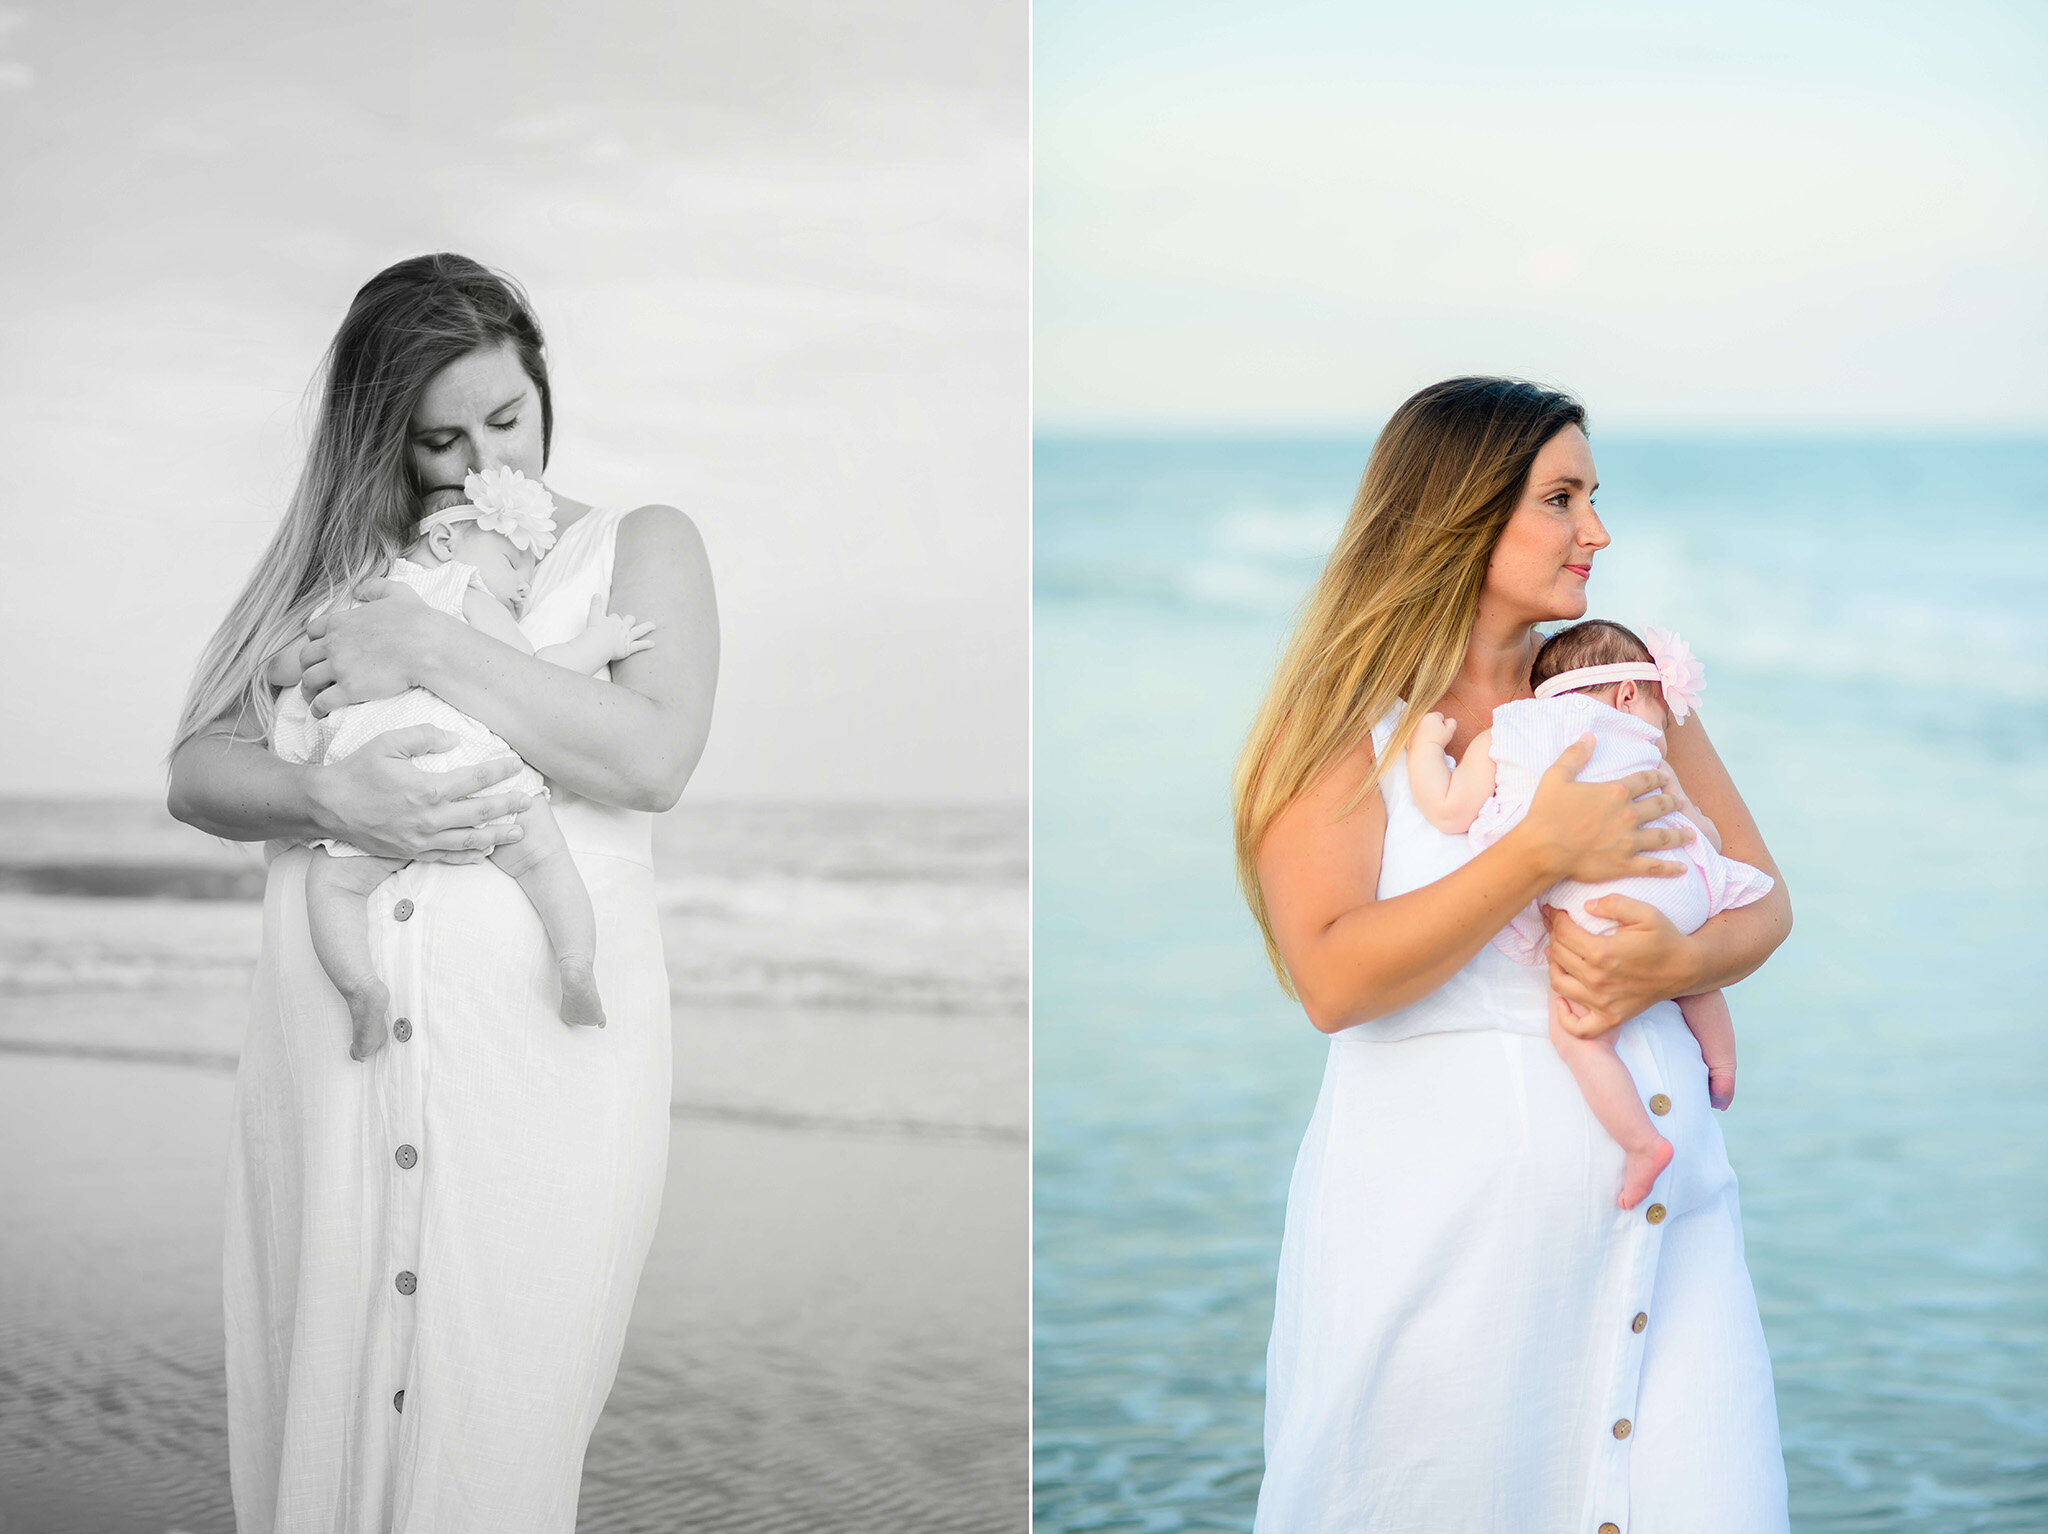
<point>1581,571</point>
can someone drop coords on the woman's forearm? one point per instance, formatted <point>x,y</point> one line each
<point>599,739</point>
<point>1733,945</point>
<point>1388,954</point>
<point>240,790</point>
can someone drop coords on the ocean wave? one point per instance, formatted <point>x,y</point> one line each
<point>103,969</point>
<point>766,1116</point>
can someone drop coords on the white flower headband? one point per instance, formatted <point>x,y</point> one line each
<point>1671,665</point>
<point>502,500</point>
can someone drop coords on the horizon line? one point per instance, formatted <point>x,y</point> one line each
<point>2013,433</point>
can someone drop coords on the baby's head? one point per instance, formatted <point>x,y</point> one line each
<point>1598,642</point>
<point>505,568</point>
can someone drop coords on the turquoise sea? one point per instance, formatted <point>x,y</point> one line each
<point>1874,618</point>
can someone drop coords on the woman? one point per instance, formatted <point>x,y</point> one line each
<point>431,1255</point>
<point>1469,1335</point>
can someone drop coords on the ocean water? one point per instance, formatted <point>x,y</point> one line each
<point>831,1329</point>
<point>1874,619</point>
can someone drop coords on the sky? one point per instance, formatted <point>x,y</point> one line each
<point>1760,215</point>
<point>780,252</point>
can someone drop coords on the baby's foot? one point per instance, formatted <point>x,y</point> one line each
<point>580,1006</point>
<point>1721,1085</point>
<point>367,1006</point>
<point>1644,1165</point>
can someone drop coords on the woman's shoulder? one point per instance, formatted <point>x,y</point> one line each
<point>645,528</point>
<point>662,543</point>
<point>658,523</point>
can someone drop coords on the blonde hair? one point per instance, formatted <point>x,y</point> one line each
<point>356,502</point>
<point>1391,615</point>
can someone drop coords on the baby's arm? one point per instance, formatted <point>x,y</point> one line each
<point>1688,809</point>
<point>606,637</point>
<point>1449,800</point>
<point>487,615</point>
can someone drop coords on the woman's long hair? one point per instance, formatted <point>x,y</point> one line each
<point>353,509</point>
<point>1391,614</point>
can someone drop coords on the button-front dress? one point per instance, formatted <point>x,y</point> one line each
<point>431,1255</point>
<point>1469,1337</point>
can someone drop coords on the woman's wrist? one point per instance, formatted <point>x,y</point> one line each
<point>1690,963</point>
<point>428,662</point>
<point>1547,861</point>
<point>316,786</point>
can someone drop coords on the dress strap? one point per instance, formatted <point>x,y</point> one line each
<point>1383,729</point>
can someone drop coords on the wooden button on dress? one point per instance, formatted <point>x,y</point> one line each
<point>1610,1528</point>
<point>407,1157</point>
<point>407,1283</point>
<point>1660,1104</point>
<point>398,1401</point>
<point>1654,1214</point>
<point>403,910</point>
<point>1621,1428</point>
<point>402,1029</point>
<point>1642,1320</point>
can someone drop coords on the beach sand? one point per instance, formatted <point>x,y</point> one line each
<point>832,1329</point>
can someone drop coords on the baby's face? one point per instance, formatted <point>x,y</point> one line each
<point>507,571</point>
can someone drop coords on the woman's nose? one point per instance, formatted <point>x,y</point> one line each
<point>1593,532</point>
<point>480,454</point>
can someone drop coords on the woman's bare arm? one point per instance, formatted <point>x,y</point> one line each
<point>632,742</point>
<point>1647,960</point>
<point>376,799</point>
<point>1354,957</point>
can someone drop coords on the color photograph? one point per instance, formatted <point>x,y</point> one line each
<point>1373,347</point>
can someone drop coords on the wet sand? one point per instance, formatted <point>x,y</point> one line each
<point>831,1333</point>
<point>828,1334</point>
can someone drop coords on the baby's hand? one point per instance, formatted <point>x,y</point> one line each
<point>1436,730</point>
<point>620,633</point>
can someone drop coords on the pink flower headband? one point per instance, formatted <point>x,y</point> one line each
<point>1671,665</point>
<point>502,500</point>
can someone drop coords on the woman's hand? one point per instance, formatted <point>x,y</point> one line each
<point>358,654</point>
<point>1594,832</point>
<point>1611,979</point>
<point>376,799</point>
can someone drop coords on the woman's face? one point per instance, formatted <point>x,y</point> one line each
<point>1545,554</point>
<point>479,412</point>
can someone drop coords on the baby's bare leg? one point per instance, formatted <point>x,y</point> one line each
<point>338,893</point>
<point>541,862</point>
<point>1711,1022</point>
<point>1610,1092</point>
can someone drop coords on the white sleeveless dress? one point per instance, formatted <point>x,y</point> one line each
<point>462,1218</point>
<point>1469,1337</point>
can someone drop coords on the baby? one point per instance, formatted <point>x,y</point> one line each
<point>1597,678</point>
<point>473,558</point>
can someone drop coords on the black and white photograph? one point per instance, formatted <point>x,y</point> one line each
<point>513,898</point>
